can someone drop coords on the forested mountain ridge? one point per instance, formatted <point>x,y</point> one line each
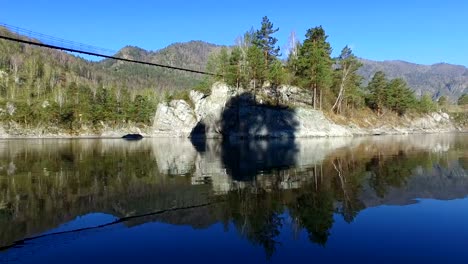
<point>41,86</point>
<point>190,55</point>
<point>436,80</point>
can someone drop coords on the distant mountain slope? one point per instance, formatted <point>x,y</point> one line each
<point>190,55</point>
<point>437,80</point>
<point>24,62</point>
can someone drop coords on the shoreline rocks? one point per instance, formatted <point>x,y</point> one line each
<point>232,113</point>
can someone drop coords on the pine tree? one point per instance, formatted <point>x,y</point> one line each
<point>377,92</point>
<point>314,63</point>
<point>399,96</point>
<point>443,101</point>
<point>463,99</point>
<point>276,75</point>
<point>235,74</point>
<point>256,67</point>
<point>222,63</point>
<point>426,105</point>
<point>266,42</point>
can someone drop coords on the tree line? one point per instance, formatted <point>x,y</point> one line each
<point>333,84</point>
<point>49,88</point>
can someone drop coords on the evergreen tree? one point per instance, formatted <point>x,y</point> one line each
<point>463,99</point>
<point>266,42</point>
<point>399,97</point>
<point>377,92</point>
<point>276,75</point>
<point>235,75</point>
<point>443,101</point>
<point>314,67</point>
<point>256,67</point>
<point>222,63</point>
<point>426,105</point>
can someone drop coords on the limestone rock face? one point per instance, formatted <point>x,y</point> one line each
<point>434,122</point>
<point>231,113</point>
<point>209,110</point>
<point>175,119</point>
<point>314,124</point>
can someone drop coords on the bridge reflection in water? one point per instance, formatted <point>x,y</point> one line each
<point>255,187</point>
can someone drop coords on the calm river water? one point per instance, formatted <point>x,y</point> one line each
<point>389,199</point>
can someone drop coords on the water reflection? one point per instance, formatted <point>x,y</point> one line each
<point>256,187</point>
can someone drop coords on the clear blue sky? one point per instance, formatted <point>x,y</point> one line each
<point>420,31</point>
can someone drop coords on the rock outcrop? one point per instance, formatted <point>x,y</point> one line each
<point>232,113</point>
<point>175,118</point>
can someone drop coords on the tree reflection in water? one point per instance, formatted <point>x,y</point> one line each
<point>44,183</point>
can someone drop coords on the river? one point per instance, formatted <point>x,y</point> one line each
<point>387,199</point>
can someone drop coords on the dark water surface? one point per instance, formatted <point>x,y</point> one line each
<point>395,199</point>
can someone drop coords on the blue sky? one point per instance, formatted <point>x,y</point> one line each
<point>423,32</point>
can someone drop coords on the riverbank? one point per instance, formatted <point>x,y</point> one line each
<point>234,113</point>
<point>15,131</point>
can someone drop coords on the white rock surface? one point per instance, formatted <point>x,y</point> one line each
<point>175,119</point>
<point>216,115</point>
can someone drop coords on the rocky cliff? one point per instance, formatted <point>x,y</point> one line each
<point>233,113</point>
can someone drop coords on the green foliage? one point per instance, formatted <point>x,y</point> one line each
<point>333,83</point>
<point>463,99</point>
<point>48,86</point>
<point>256,66</point>
<point>395,95</point>
<point>204,86</point>
<point>236,75</point>
<point>264,40</point>
<point>314,64</point>
<point>276,73</point>
<point>426,105</point>
<point>347,81</point>
<point>222,63</point>
<point>104,106</point>
<point>377,92</point>
<point>51,88</point>
<point>399,96</point>
<point>179,95</point>
<point>443,101</point>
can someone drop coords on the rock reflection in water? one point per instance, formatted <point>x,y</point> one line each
<point>45,183</point>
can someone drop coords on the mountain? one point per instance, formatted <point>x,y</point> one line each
<point>190,55</point>
<point>25,63</point>
<point>47,86</point>
<point>87,92</point>
<point>436,80</point>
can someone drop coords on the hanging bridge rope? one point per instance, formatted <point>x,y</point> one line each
<point>46,41</point>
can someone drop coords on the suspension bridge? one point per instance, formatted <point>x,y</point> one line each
<point>42,40</point>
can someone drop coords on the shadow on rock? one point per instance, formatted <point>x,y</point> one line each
<point>242,117</point>
<point>256,137</point>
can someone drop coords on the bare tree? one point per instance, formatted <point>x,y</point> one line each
<point>347,66</point>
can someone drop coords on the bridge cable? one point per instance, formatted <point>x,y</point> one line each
<point>104,56</point>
